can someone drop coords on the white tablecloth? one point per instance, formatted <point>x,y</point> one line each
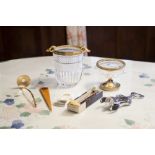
<point>16,112</point>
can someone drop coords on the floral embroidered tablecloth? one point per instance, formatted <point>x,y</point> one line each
<point>17,113</point>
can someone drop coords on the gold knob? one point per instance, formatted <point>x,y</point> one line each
<point>23,81</point>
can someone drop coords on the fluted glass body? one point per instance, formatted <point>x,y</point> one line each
<point>68,69</point>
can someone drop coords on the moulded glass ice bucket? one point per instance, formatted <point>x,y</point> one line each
<point>68,61</point>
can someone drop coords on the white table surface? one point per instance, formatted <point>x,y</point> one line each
<point>137,77</point>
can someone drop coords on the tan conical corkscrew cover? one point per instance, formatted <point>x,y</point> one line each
<point>46,95</point>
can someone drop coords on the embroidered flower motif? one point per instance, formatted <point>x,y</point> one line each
<point>152,80</point>
<point>17,124</point>
<point>25,114</point>
<point>38,99</point>
<point>49,71</point>
<point>16,95</point>
<point>86,66</point>
<point>129,122</point>
<point>87,74</point>
<point>8,95</point>
<point>21,105</point>
<point>44,112</point>
<point>148,84</point>
<point>9,101</point>
<point>4,127</point>
<point>144,75</point>
<point>40,82</point>
<point>135,125</point>
<point>29,127</point>
<point>63,127</point>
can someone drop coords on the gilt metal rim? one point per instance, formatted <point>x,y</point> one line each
<point>110,59</point>
<point>76,50</point>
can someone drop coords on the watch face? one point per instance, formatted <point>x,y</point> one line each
<point>110,64</point>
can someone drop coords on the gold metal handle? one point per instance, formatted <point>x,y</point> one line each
<point>58,50</point>
<point>51,49</point>
<point>84,49</point>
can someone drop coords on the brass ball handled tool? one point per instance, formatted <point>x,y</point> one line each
<point>23,81</point>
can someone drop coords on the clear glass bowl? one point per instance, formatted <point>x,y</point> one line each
<point>111,68</point>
